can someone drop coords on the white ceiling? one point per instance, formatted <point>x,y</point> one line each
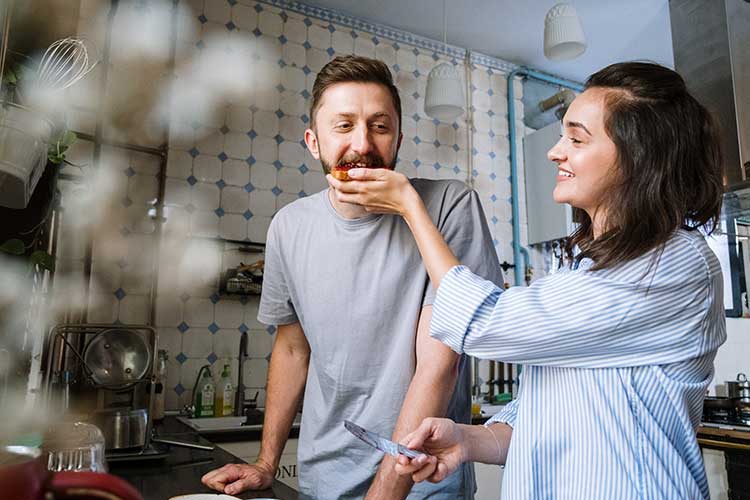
<point>513,30</point>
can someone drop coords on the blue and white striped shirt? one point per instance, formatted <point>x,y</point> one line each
<point>616,365</point>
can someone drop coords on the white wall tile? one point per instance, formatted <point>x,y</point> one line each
<point>239,118</point>
<point>313,182</point>
<point>342,41</point>
<point>291,154</point>
<point>235,172</point>
<point>318,36</point>
<point>244,17</point>
<point>234,200</point>
<point>205,196</point>
<point>203,223</point>
<point>270,23</point>
<point>266,123</point>
<point>257,228</point>
<point>316,58</point>
<point>293,79</point>
<point>295,30</point>
<point>232,227</point>
<point>262,203</point>
<point>294,54</point>
<point>226,344</point>
<point>238,145</point>
<point>265,149</point>
<point>293,104</point>
<point>290,180</point>
<point>207,168</point>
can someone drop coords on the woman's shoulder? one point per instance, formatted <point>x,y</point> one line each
<point>692,248</point>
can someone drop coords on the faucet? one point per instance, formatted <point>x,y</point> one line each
<point>239,397</point>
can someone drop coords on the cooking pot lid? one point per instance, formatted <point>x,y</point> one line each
<point>117,357</point>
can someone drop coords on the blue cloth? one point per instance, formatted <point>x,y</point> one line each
<point>616,366</point>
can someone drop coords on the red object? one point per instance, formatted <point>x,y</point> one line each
<point>30,480</point>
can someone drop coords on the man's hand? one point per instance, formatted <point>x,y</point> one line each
<point>443,440</point>
<point>234,478</point>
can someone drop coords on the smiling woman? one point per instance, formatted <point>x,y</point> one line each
<point>613,384</point>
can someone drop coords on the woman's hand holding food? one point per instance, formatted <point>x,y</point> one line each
<point>378,190</point>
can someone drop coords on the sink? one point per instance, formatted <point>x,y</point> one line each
<point>213,423</point>
<point>223,425</point>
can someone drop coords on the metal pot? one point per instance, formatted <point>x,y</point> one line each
<point>739,389</point>
<point>122,427</point>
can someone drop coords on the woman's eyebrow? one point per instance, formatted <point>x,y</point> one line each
<point>578,125</point>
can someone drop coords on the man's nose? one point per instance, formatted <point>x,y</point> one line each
<point>361,143</point>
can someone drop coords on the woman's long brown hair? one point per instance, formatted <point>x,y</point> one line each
<point>668,164</point>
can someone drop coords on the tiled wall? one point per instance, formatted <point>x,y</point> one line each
<point>228,172</point>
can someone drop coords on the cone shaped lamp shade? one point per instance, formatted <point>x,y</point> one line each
<point>444,96</point>
<point>563,33</point>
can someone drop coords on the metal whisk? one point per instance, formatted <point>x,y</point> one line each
<point>64,63</point>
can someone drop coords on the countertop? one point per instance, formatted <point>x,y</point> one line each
<point>180,473</point>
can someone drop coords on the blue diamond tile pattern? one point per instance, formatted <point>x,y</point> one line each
<point>243,328</point>
<point>493,176</point>
<point>415,116</point>
<point>258,8</point>
<point>183,327</point>
<point>307,45</point>
<point>277,164</point>
<point>268,357</point>
<point>417,140</point>
<point>281,63</point>
<point>129,172</point>
<point>417,163</point>
<point>224,129</point>
<point>493,198</point>
<point>495,220</point>
<point>492,155</point>
<point>435,122</point>
<point>456,169</point>
<point>415,95</point>
<point>305,94</point>
<point>257,32</point>
<point>249,187</point>
<point>252,134</point>
<point>276,191</point>
<point>301,194</point>
<point>353,34</point>
<point>213,328</point>
<point>125,232</point>
<point>307,22</point>
<point>200,44</point>
<point>211,358</point>
<point>375,41</point>
<point>230,26</point>
<point>331,28</point>
<point>305,69</point>
<point>250,161</point>
<point>247,215</point>
<point>455,147</point>
<point>271,329</point>
<point>455,126</point>
<point>120,294</point>
<point>232,2</point>
<point>194,152</point>
<point>396,68</point>
<point>179,389</point>
<point>303,168</point>
<point>283,39</point>
<point>436,166</point>
<point>192,180</point>
<point>203,19</point>
<point>304,118</point>
<point>219,212</point>
<point>279,138</point>
<point>185,297</point>
<point>223,156</point>
<point>215,298</point>
<point>436,143</point>
<point>127,202</point>
<point>330,51</point>
<point>416,73</point>
<point>221,184</point>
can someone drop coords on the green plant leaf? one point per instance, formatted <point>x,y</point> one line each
<point>45,260</point>
<point>13,247</point>
<point>68,138</point>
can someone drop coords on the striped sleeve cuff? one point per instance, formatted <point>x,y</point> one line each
<point>505,416</point>
<point>458,306</point>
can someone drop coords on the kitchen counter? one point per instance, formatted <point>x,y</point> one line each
<point>180,473</point>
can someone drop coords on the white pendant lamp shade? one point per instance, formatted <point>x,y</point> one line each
<point>444,96</point>
<point>563,34</point>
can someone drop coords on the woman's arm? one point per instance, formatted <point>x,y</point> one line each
<point>384,191</point>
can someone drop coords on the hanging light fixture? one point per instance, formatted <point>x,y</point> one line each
<point>444,95</point>
<point>563,34</point>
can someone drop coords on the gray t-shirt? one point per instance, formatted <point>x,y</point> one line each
<point>357,287</point>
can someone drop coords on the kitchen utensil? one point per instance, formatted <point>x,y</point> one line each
<point>379,442</point>
<point>117,357</point>
<point>740,388</point>
<point>24,476</point>
<point>122,427</point>
<point>63,64</point>
<point>24,138</point>
<point>76,446</point>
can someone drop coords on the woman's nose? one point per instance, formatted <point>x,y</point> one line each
<point>557,153</point>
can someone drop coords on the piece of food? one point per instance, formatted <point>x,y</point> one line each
<point>341,172</point>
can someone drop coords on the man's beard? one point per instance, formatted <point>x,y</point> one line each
<point>369,160</point>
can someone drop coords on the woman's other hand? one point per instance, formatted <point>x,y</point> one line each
<point>443,441</point>
<point>378,190</point>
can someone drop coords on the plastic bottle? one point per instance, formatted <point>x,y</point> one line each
<point>224,404</point>
<point>204,405</point>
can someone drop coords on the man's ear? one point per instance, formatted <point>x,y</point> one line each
<point>312,143</point>
<point>400,138</point>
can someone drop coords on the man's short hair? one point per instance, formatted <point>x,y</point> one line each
<point>353,68</point>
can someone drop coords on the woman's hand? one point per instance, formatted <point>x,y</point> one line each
<point>444,442</point>
<point>378,190</point>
